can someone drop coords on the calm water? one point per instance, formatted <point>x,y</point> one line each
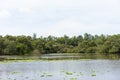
<point>90,69</point>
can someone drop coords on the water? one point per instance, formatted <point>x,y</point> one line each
<point>90,69</point>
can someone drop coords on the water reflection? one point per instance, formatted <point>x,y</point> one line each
<point>86,67</point>
<point>81,56</point>
<point>61,70</point>
<point>62,56</point>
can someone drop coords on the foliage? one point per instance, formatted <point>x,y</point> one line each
<point>26,45</point>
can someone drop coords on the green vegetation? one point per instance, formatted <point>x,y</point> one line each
<point>93,74</point>
<point>69,73</point>
<point>73,78</point>
<point>15,72</point>
<point>27,45</point>
<point>46,75</point>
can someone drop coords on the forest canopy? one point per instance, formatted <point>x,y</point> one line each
<point>27,45</point>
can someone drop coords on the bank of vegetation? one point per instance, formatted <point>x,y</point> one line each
<point>32,45</point>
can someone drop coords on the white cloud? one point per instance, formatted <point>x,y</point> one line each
<point>86,6</point>
<point>24,10</point>
<point>73,27</point>
<point>59,17</point>
<point>69,27</point>
<point>93,8</point>
<point>60,4</point>
<point>4,14</point>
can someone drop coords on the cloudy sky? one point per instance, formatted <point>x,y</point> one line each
<point>59,17</point>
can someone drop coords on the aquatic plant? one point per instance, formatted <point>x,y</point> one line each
<point>42,76</point>
<point>46,75</point>
<point>49,75</point>
<point>81,73</point>
<point>69,73</point>
<point>93,74</point>
<point>15,72</point>
<point>26,77</point>
<point>73,78</point>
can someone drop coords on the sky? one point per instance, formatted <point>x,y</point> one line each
<point>59,17</point>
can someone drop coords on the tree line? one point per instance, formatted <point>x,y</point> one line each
<point>87,43</point>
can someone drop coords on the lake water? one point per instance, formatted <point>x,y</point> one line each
<point>71,69</point>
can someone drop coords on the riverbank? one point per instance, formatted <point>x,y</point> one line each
<point>62,57</point>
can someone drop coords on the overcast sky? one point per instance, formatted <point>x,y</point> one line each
<point>59,17</point>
